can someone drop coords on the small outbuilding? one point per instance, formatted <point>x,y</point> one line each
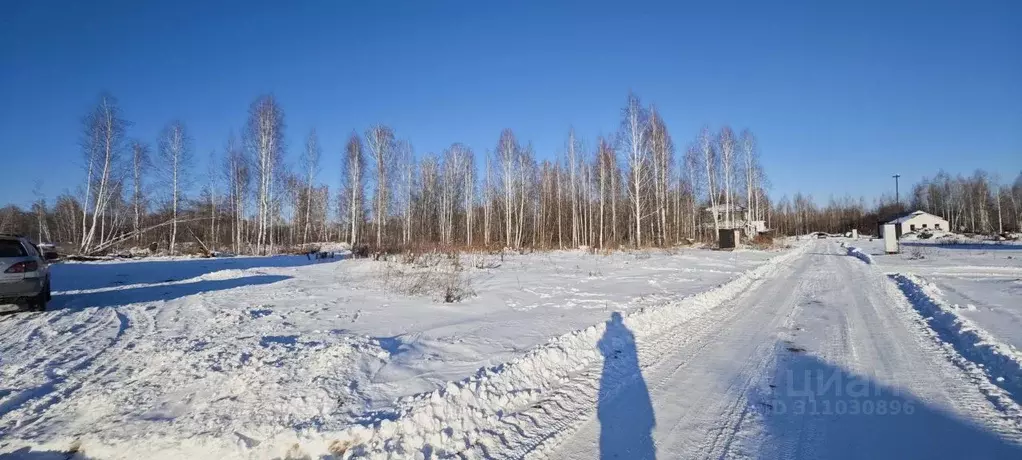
<point>913,221</point>
<point>728,238</point>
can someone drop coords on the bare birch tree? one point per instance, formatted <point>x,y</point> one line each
<point>353,173</point>
<point>175,157</point>
<point>103,144</point>
<point>406,169</point>
<point>605,159</point>
<point>508,155</point>
<point>211,191</point>
<point>726,141</point>
<point>468,184</point>
<point>265,140</point>
<point>635,143</point>
<point>747,143</point>
<point>662,154</point>
<point>693,172</point>
<point>572,151</point>
<point>237,173</point>
<point>709,163</point>
<point>380,139</point>
<point>310,165</point>
<point>139,162</point>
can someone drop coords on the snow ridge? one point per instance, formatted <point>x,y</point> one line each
<point>1000,363</point>
<point>467,417</point>
<point>858,254</point>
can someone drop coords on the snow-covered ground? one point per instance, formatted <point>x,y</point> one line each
<point>207,358</point>
<point>981,280</point>
<point>822,356</point>
<point>827,350</point>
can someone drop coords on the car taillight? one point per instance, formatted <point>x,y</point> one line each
<point>23,267</point>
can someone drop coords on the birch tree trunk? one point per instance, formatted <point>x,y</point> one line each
<point>310,161</point>
<point>709,161</point>
<point>381,148</point>
<point>265,139</point>
<point>634,132</point>
<point>139,159</point>
<point>353,165</point>
<point>175,153</point>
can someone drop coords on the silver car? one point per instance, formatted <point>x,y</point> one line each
<point>24,273</point>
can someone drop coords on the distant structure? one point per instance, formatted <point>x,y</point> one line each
<point>727,238</point>
<point>740,219</point>
<point>913,221</point>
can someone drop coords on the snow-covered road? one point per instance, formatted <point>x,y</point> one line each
<point>823,358</point>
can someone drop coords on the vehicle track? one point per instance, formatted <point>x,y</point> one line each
<point>825,313</point>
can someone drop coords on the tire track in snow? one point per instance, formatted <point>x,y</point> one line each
<point>862,330</point>
<point>68,359</point>
<point>682,344</point>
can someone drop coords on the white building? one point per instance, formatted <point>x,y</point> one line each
<point>739,219</point>
<point>915,221</point>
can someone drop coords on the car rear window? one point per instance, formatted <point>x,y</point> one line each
<point>11,248</point>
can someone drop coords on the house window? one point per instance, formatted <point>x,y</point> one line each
<point>924,225</point>
<point>912,227</point>
<point>936,226</point>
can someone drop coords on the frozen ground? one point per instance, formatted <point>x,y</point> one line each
<point>821,355</point>
<point>981,280</point>
<point>828,350</point>
<point>207,358</point>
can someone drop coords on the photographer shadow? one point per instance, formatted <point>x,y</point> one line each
<point>819,410</point>
<point>625,410</point>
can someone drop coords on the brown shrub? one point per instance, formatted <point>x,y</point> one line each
<point>763,241</point>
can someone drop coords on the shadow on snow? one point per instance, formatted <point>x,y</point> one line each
<point>27,453</point>
<point>154,293</point>
<point>819,410</point>
<point>82,276</point>
<point>624,407</point>
<point>970,246</point>
<point>813,409</point>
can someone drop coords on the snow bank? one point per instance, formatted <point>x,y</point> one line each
<point>328,246</point>
<point>858,253</point>
<point>460,418</point>
<point>1001,363</point>
<point>221,275</point>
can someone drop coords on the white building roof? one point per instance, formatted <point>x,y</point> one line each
<point>724,208</point>
<point>901,219</point>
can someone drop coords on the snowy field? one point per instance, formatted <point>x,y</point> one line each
<point>981,280</point>
<point>207,358</point>
<point>827,350</point>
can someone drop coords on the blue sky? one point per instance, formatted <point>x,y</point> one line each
<point>840,94</point>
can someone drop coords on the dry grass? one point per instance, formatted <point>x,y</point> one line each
<point>440,276</point>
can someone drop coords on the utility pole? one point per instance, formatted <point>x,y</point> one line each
<point>896,198</point>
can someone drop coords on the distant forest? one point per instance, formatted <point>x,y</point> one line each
<point>637,188</point>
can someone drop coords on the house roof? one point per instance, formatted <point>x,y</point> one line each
<point>723,208</point>
<point>906,216</point>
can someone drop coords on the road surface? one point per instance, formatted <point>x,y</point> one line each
<point>824,358</point>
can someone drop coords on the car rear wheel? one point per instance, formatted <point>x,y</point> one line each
<point>39,303</point>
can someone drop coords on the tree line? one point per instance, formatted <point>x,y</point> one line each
<point>634,188</point>
<point>627,189</point>
<point>971,204</point>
